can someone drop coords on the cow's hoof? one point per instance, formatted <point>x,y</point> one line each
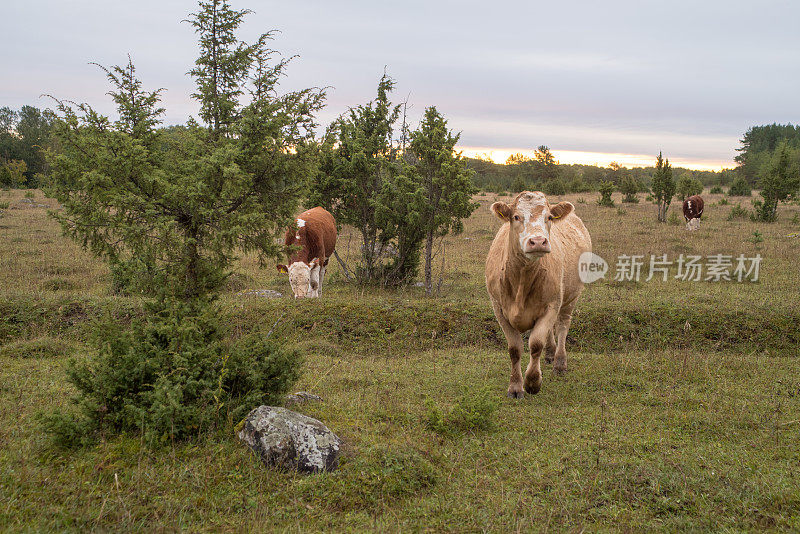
<point>533,386</point>
<point>515,394</point>
<point>548,358</point>
<point>559,368</point>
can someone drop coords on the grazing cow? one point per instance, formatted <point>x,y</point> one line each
<point>315,235</point>
<point>692,211</point>
<point>533,283</point>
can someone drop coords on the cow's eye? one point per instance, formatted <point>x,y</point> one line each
<point>549,217</point>
<point>516,217</point>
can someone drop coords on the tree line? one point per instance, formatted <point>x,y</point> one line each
<point>544,173</point>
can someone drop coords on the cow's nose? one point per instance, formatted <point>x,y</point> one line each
<point>538,241</point>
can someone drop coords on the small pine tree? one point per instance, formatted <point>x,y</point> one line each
<point>663,187</point>
<point>605,189</point>
<point>630,186</point>
<point>780,181</point>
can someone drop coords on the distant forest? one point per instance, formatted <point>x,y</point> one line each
<point>543,173</point>
<point>25,134</point>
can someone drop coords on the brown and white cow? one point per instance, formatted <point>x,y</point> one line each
<point>533,283</point>
<point>692,211</point>
<point>315,235</point>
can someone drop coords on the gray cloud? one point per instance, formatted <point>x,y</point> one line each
<point>685,77</point>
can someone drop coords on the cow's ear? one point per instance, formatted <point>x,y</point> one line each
<point>282,268</point>
<point>561,209</point>
<point>502,210</point>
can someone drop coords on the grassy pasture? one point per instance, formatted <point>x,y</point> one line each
<point>681,409</point>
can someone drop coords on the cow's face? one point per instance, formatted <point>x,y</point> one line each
<point>303,277</point>
<point>693,224</point>
<point>530,217</point>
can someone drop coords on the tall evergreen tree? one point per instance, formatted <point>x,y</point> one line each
<point>173,206</point>
<point>445,181</point>
<point>759,143</point>
<point>663,186</point>
<point>359,159</point>
<point>780,181</point>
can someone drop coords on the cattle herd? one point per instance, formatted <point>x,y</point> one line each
<point>531,273</point>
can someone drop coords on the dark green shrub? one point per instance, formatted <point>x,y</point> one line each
<point>519,184</point>
<point>606,189</point>
<point>170,376</point>
<point>740,188</point>
<point>716,190</point>
<point>764,211</point>
<point>723,201</point>
<point>688,186</point>
<point>555,187</point>
<point>738,212</point>
<point>629,186</point>
<point>578,185</point>
<point>135,276</point>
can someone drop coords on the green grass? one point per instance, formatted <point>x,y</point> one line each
<point>680,411</point>
<point>42,347</point>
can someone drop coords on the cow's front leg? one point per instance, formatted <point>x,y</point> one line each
<point>539,336</point>
<point>514,339</point>
<point>314,281</point>
<point>321,279</point>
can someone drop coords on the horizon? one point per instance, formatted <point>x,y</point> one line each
<point>598,159</point>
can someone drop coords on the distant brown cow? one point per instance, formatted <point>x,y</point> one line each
<point>533,282</point>
<point>315,235</point>
<point>692,211</point>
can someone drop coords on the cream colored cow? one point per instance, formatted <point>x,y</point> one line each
<point>533,283</point>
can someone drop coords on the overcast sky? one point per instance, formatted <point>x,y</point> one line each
<point>623,77</point>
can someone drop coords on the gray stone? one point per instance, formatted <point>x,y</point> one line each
<point>301,397</point>
<point>290,440</point>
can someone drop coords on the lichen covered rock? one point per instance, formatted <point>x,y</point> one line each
<point>290,440</point>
